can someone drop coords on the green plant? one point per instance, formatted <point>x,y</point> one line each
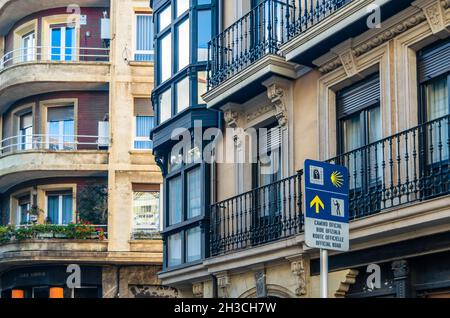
<point>6,233</point>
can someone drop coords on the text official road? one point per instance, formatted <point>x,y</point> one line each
<point>326,206</point>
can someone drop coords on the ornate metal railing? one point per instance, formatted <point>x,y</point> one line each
<point>262,31</point>
<point>259,216</point>
<point>410,166</point>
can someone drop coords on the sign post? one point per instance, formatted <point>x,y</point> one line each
<point>327,212</point>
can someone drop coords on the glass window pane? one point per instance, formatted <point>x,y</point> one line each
<point>175,206</point>
<point>144,38</point>
<point>70,44</point>
<point>183,94</point>
<point>67,211</point>
<point>174,250</point>
<point>56,44</point>
<point>182,6</point>
<point>194,186</point>
<point>183,45</point>
<point>200,2</point>
<point>165,106</point>
<point>53,209</point>
<point>166,57</point>
<point>201,86</point>
<point>437,99</point>
<point>146,211</point>
<point>165,18</point>
<point>204,34</point>
<point>193,245</point>
<point>144,125</point>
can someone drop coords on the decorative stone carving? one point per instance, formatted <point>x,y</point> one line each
<point>276,95</point>
<point>261,287</point>
<point>141,291</point>
<point>374,42</point>
<point>434,12</point>
<point>223,282</point>
<point>197,290</point>
<point>231,118</point>
<point>258,112</point>
<point>344,286</point>
<point>349,62</point>
<point>298,269</point>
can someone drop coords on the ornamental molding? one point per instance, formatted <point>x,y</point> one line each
<point>344,286</point>
<point>197,290</point>
<point>436,13</point>
<point>260,282</point>
<point>259,112</point>
<point>223,283</point>
<point>298,270</point>
<point>277,91</point>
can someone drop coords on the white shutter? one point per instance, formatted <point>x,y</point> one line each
<point>103,134</point>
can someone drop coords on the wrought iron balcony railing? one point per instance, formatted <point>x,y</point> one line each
<point>407,167</point>
<point>262,31</point>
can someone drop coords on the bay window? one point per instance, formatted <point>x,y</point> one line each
<point>183,30</point>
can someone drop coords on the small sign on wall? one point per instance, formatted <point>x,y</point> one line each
<point>83,19</point>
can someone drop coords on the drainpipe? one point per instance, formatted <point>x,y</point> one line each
<point>214,287</point>
<point>118,281</point>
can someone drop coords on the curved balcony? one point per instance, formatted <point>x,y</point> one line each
<point>31,244</point>
<point>12,11</point>
<point>24,158</point>
<point>42,69</point>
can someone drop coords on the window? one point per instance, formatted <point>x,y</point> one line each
<point>26,131</point>
<point>194,195</point>
<point>144,38</point>
<point>165,105</point>
<point>165,18</point>
<point>28,47</point>
<point>174,254</point>
<point>175,201</point>
<point>359,119</point>
<point>183,44</point>
<point>144,125</point>
<point>59,208</point>
<point>146,211</point>
<point>62,42</point>
<point>201,86</point>
<point>23,208</point>
<point>193,244</point>
<point>183,94</point>
<point>182,7</point>
<point>166,57</point>
<point>204,34</point>
<point>61,128</point>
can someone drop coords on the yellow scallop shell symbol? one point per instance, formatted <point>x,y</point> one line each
<point>337,179</point>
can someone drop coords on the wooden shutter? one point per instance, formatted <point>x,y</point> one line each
<point>358,96</point>
<point>434,62</point>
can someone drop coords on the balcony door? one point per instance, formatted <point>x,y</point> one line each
<point>28,47</point>
<point>59,208</point>
<point>268,205</point>
<point>434,78</point>
<point>62,43</point>
<point>26,131</point>
<point>61,128</point>
<point>23,208</point>
<point>360,129</point>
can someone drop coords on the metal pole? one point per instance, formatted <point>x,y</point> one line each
<point>323,273</point>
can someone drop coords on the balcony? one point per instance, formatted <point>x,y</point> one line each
<point>36,70</point>
<point>262,32</point>
<point>406,168</point>
<point>25,157</point>
<point>12,11</point>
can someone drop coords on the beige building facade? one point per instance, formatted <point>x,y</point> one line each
<point>78,182</point>
<point>330,82</point>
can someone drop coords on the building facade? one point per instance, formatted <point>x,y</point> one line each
<point>78,182</point>
<point>348,82</point>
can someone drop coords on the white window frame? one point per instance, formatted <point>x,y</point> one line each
<point>136,138</point>
<point>60,208</point>
<point>135,50</point>
<point>61,136</point>
<point>30,48</point>
<point>140,228</point>
<point>19,214</point>
<point>62,53</point>
<point>28,145</point>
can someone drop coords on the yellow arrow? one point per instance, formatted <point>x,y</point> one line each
<point>318,203</point>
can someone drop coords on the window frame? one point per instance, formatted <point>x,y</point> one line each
<point>138,229</point>
<point>141,139</point>
<point>135,35</point>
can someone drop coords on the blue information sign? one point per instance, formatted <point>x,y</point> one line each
<point>326,206</point>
